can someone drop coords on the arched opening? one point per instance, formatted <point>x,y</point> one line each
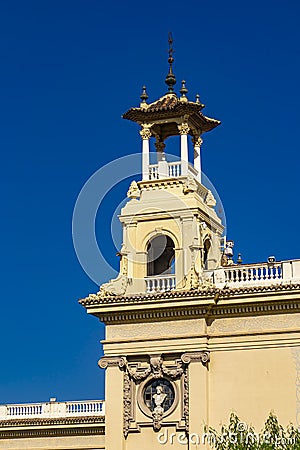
<point>206,252</point>
<point>160,256</point>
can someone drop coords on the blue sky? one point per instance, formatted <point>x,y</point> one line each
<point>68,72</point>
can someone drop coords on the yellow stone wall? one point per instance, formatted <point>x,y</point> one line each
<point>253,370</point>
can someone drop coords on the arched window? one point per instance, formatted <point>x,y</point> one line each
<point>160,256</point>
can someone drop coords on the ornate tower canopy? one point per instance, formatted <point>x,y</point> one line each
<point>166,113</point>
<point>171,115</point>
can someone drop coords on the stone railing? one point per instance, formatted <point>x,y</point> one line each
<point>153,172</point>
<point>160,283</point>
<point>169,169</point>
<point>256,274</point>
<point>52,409</point>
<point>174,169</point>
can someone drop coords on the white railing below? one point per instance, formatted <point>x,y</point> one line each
<point>153,172</point>
<point>174,169</point>
<point>256,274</point>
<point>169,169</point>
<point>160,283</point>
<point>253,274</point>
<point>52,409</point>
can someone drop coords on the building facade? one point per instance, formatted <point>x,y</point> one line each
<point>190,335</point>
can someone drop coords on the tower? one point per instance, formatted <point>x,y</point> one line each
<point>184,327</point>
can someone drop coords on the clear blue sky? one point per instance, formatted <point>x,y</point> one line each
<point>68,72</point>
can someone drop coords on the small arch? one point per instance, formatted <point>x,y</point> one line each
<point>206,248</point>
<point>160,256</point>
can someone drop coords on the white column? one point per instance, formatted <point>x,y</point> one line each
<point>145,134</point>
<point>197,155</point>
<point>184,152</point>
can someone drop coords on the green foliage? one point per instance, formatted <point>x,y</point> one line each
<point>239,436</point>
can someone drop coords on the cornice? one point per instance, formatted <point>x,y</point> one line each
<point>209,303</point>
<point>207,292</point>
<point>31,428</point>
<point>32,433</point>
<point>47,422</point>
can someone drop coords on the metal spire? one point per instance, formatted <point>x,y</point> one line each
<point>170,78</point>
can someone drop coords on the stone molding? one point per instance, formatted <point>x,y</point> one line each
<point>207,292</point>
<point>31,428</point>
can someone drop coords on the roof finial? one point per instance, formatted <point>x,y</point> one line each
<point>144,95</point>
<point>183,90</point>
<point>170,78</point>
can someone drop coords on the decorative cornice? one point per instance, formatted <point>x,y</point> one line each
<point>186,305</point>
<point>38,421</point>
<point>38,433</point>
<point>206,292</point>
<point>65,426</point>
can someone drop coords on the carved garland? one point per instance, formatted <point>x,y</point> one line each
<point>156,369</point>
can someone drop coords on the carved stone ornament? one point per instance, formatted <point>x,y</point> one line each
<point>210,200</point>
<point>133,191</point>
<point>203,357</point>
<point>184,128</point>
<point>145,132</point>
<point>156,369</point>
<point>117,286</point>
<point>190,185</point>
<point>197,141</point>
<point>111,361</point>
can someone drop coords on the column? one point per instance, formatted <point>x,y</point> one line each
<point>114,407</point>
<point>184,153</point>
<point>198,394</point>
<point>145,134</point>
<point>197,141</point>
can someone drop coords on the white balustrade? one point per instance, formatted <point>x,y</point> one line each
<point>153,172</point>
<point>256,274</point>
<point>85,408</point>
<point>253,274</point>
<point>52,409</point>
<point>160,283</point>
<point>174,169</point>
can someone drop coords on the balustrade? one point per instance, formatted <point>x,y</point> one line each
<point>256,274</point>
<point>160,283</point>
<point>53,409</point>
<point>253,274</point>
<point>153,172</point>
<point>174,170</point>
